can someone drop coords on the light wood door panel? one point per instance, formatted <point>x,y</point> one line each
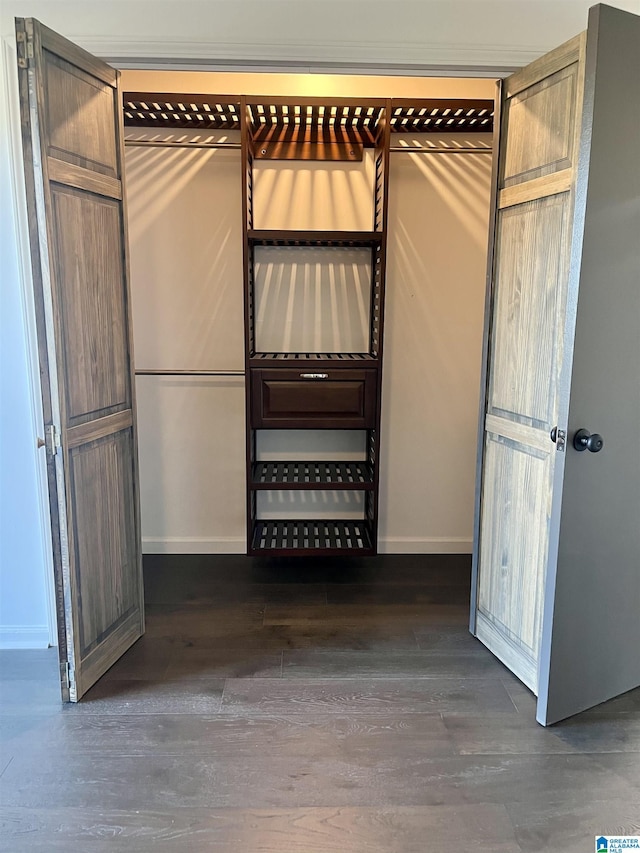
<point>72,137</point>
<point>92,294</point>
<point>79,116</point>
<point>104,539</point>
<point>529,300</point>
<point>515,544</point>
<point>532,242</point>
<point>531,151</point>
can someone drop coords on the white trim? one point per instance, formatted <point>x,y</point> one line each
<point>424,545</point>
<point>311,57</point>
<point>194,545</point>
<point>19,637</point>
<point>9,62</point>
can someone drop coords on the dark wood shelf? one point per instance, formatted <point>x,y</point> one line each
<point>441,116</point>
<point>334,120</point>
<point>171,110</point>
<point>362,239</point>
<point>356,476</point>
<point>304,360</point>
<point>278,124</point>
<point>306,537</point>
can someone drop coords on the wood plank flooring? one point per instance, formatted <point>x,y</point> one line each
<point>307,707</point>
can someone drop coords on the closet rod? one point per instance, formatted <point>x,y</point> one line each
<point>189,372</point>
<point>405,149</point>
<point>150,143</point>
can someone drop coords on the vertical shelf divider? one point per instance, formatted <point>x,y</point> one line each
<point>247,156</point>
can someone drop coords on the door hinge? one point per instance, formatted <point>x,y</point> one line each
<point>24,49</point>
<point>69,676</point>
<point>21,46</point>
<point>52,439</point>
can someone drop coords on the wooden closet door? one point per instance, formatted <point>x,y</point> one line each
<point>539,141</point>
<point>73,151</point>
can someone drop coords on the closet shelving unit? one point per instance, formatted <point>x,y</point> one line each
<point>311,390</point>
<point>315,390</point>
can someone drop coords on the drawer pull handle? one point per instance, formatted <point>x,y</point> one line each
<point>314,376</point>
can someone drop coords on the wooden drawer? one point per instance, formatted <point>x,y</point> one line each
<point>313,399</point>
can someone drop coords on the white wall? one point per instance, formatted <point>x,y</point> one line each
<point>472,34</point>
<point>464,33</point>
<point>438,214</point>
<point>185,237</point>
<point>24,617</point>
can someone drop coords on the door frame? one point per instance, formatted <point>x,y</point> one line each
<point>486,348</point>
<point>12,117</point>
<point>21,231</point>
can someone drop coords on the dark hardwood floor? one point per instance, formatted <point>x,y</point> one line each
<point>301,707</point>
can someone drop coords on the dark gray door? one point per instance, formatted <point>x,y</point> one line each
<point>72,136</point>
<point>557,556</point>
<point>591,624</point>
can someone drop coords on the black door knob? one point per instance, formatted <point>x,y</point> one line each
<point>584,440</point>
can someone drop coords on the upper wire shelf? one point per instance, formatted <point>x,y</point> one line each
<point>317,119</point>
<point>201,112</point>
<point>441,116</point>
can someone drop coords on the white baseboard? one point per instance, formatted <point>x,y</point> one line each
<point>236,545</point>
<point>18,637</point>
<point>431,545</point>
<point>194,545</point>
